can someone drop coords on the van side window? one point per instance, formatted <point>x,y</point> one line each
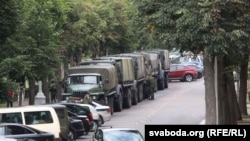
<point>38,117</point>
<point>11,118</point>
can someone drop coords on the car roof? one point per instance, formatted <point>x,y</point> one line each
<point>118,129</point>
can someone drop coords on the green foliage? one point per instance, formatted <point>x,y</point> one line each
<point>9,12</point>
<point>220,26</point>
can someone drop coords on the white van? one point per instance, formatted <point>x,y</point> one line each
<point>41,118</point>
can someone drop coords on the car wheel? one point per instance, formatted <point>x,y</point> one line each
<point>188,78</point>
<point>199,75</point>
<point>71,136</point>
<point>95,126</point>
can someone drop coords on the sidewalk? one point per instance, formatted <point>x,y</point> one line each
<point>25,102</point>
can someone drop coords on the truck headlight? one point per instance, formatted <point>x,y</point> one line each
<point>94,97</point>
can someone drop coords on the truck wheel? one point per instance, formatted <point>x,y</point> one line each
<point>160,84</point>
<point>127,99</point>
<point>135,98</point>
<point>140,92</point>
<point>119,103</point>
<point>166,81</point>
<point>111,104</point>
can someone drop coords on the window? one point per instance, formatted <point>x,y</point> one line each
<point>180,67</point>
<point>38,117</point>
<point>11,117</point>
<point>17,130</point>
<point>173,67</point>
<point>90,79</point>
<point>2,130</point>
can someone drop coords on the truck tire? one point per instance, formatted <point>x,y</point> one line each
<point>127,99</point>
<point>111,104</point>
<point>140,92</point>
<point>166,80</point>
<point>160,84</point>
<point>135,98</point>
<point>119,103</point>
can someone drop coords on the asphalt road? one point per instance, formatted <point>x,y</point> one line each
<point>183,103</point>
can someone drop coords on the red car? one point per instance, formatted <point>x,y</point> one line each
<point>182,72</point>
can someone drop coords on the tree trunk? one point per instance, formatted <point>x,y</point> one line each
<point>45,89</point>
<point>210,99</point>
<point>243,85</point>
<point>32,91</point>
<point>222,97</point>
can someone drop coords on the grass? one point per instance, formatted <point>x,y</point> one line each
<point>3,104</point>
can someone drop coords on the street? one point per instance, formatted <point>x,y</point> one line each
<point>182,103</point>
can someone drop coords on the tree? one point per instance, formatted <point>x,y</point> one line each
<point>33,47</point>
<point>215,27</point>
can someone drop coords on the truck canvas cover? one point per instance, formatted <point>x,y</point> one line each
<point>152,58</point>
<point>139,60</point>
<point>107,72</point>
<point>125,64</point>
<point>164,57</point>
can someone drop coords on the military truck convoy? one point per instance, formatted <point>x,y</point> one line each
<point>119,80</point>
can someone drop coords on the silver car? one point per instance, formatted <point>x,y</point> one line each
<point>104,111</point>
<point>117,134</point>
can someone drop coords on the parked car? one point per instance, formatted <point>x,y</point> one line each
<point>117,134</point>
<point>3,138</point>
<point>24,132</point>
<point>104,111</point>
<point>84,119</point>
<point>199,68</point>
<point>97,122</point>
<point>78,111</point>
<point>182,72</point>
<point>70,128</point>
<point>76,127</point>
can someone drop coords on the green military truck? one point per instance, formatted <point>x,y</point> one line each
<point>124,74</point>
<point>139,72</point>
<point>161,66</point>
<point>97,80</point>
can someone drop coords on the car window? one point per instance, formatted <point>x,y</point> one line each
<point>38,117</point>
<point>11,117</point>
<point>80,110</point>
<point>172,67</point>
<point>180,67</point>
<point>17,130</point>
<point>2,130</point>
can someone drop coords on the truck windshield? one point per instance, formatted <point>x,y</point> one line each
<point>83,80</point>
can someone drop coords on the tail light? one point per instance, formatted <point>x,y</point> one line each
<point>108,110</point>
<point>87,120</point>
<point>78,99</point>
<point>91,116</point>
